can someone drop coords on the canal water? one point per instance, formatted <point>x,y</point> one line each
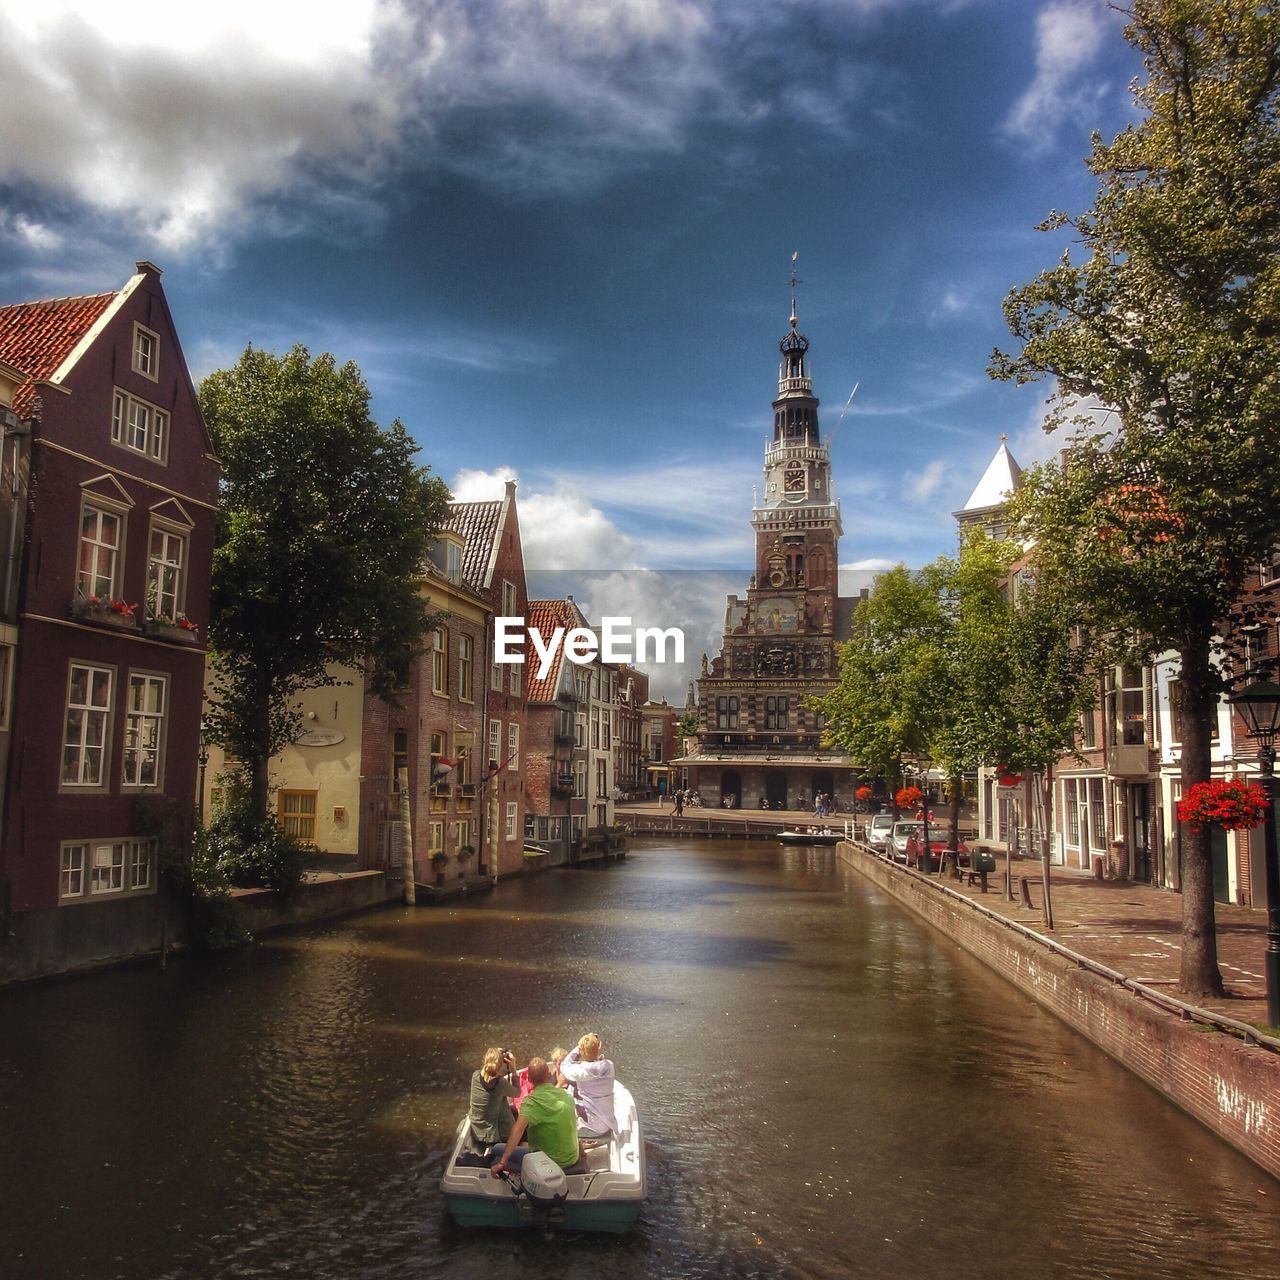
<point>829,1088</point>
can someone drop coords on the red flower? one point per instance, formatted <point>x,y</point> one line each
<point>1229,803</point>
<point>863,793</point>
<point>908,797</point>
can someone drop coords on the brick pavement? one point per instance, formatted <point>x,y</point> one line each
<point>1135,929</point>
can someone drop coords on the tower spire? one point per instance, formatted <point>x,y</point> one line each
<point>795,280</point>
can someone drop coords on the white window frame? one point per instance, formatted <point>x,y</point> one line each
<point>140,426</point>
<point>513,746</point>
<point>508,599</point>
<point>146,352</point>
<point>8,656</point>
<point>99,711</point>
<point>440,662</point>
<point>516,680</point>
<point>87,580</point>
<point>107,864</point>
<point>144,730</point>
<point>164,602</point>
<point>72,880</point>
<point>435,837</point>
<point>495,744</point>
<point>513,819</point>
<point>141,859</point>
<point>495,677</point>
<point>466,668</point>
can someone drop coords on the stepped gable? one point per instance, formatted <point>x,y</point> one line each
<point>36,337</point>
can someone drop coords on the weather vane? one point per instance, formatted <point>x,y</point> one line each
<point>795,280</point>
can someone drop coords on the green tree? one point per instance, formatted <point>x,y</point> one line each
<point>1166,319</point>
<point>324,524</point>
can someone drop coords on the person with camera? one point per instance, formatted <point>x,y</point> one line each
<point>491,1090</point>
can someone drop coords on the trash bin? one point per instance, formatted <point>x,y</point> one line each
<point>984,860</point>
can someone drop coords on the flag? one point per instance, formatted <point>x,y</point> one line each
<point>493,773</point>
<point>442,768</point>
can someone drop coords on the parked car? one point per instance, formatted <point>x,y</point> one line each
<point>906,838</point>
<point>879,830</point>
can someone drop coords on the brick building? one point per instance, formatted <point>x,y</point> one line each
<point>493,565</point>
<point>629,774</point>
<point>757,739</point>
<point>112,581</point>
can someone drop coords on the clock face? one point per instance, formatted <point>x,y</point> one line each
<point>794,481</point>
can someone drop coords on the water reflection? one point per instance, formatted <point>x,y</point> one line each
<point>830,1090</point>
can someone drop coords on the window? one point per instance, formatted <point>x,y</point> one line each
<point>297,810</point>
<point>6,681</point>
<point>399,757</point>
<point>1269,569</point>
<point>606,728</point>
<point>1097,815</point>
<point>165,560</point>
<point>595,730</point>
<point>461,834</point>
<point>513,746</point>
<point>602,779</point>
<point>1088,729</point>
<point>726,712</point>
<point>439,661</point>
<point>495,677</point>
<point>107,875</point>
<point>73,860</point>
<point>513,818</point>
<point>508,599</point>
<point>466,647</point>
<point>495,743</point>
<point>84,740</point>
<point>139,426</point>
<point>1175,714</point>
<point>439,780</point>
<point>776,711</point>
<point>1072,806</point>
<point>143,730</point>
<point>1130,722</point>
<point>99,551</point>
<point>516,679</point>
<point>580,780</point>
<point>437,838</point>
<point>140,859</point>
<point>453,561</point>
<point>146,352</point>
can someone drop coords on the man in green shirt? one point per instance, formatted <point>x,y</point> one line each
<point>551,1121</point>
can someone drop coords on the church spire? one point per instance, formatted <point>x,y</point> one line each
<point>793,372</point>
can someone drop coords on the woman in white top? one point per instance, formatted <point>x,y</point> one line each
<point>590,1075</point>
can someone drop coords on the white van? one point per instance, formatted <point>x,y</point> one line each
<point>878,831</point>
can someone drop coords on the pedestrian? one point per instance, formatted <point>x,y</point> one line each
<point>679,804</point>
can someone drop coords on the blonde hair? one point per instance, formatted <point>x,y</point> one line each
<point>558,1054</point>
<point>589,1046</point>
<point>492,1066</point>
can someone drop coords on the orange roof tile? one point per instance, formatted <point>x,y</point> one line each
<point>37,337</point>
<point>546,616</point>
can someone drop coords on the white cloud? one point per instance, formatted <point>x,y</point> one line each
<point>924,484</point>
<point>1069,35</point>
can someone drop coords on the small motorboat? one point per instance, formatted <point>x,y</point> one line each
<point>816,836</point>
<point>607,1197</point>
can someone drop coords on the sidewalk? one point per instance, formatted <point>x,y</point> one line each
<point>1135,929</point>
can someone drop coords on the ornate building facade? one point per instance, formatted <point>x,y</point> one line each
<point>758,741</point>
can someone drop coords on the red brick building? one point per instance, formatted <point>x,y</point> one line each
<point>113,589</point>
<point>493,565</point>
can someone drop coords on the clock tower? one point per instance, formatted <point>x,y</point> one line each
<point>759,739</point>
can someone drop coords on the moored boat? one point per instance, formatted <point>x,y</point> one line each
<point>809,837</point>
<point>608,1197</point>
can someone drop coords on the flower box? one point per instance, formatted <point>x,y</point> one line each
<point>173,632</point>
<point>1229,803</point>
<point>115,614</point>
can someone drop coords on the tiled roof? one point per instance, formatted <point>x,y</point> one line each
<point>477,524</point>
<point>37,337</point>
<point>546,616</point>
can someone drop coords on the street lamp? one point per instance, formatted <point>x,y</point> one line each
<point>202,759</point>
<point>1259,703</point>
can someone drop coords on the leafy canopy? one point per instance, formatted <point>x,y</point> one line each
<point>325,522</point>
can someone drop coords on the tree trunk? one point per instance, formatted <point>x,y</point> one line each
<point>1200,974</point>
<point>956,783</point>
<point>260,761</point>
<point>1046,808</point>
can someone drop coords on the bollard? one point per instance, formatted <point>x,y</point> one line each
<point>1098,870</point>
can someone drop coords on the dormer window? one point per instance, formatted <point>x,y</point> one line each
<point>453,562</point>
<point>146,352</point>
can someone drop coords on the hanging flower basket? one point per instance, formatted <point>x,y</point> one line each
<point>1229,803</point>
<point>908,798</point>
<point>863,793</point>
<point>1008,779</point>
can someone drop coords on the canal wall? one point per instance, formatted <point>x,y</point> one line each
<point>1226,1084</point>
<point>263,913</point>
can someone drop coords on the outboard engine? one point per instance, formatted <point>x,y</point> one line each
<point>545,1188</point>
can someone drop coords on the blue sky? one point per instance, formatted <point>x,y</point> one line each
<point>556,234</point>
